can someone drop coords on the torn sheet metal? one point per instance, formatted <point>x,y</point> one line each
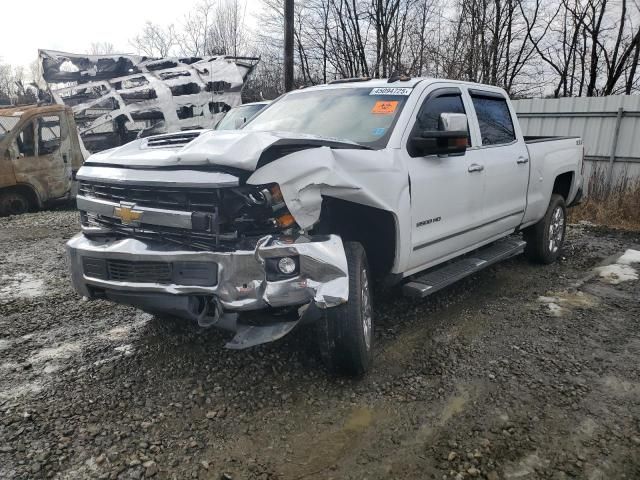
<point>306,176</point>
<point>238,149</point>
<point>117,98</point>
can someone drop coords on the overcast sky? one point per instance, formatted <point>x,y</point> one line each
<point>72,25</point>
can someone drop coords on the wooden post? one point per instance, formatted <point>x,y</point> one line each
<point>288,45</point>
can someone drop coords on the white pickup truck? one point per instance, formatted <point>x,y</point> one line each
<point>290,220</point>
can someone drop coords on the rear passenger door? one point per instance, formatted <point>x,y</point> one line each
<point>505,159</point>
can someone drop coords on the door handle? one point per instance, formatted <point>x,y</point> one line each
<point>474,167</point>
<point>522,160</point>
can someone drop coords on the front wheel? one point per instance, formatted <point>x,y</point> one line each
<point>345,333</point>
<point>13,203</point>
<point>546,238</point>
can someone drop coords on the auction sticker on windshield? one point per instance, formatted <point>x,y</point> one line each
<point>390,91</point>
<point>385,107</point>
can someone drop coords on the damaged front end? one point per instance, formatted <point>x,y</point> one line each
<point>203,246</point>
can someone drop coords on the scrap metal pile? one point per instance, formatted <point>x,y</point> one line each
<point>117,98</point>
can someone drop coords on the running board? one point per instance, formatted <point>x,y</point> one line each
<point>443,276</point>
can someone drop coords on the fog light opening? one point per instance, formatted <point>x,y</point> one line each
<point>287,265</point>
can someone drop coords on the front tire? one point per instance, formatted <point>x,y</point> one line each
<point>546,238</point>
<point>345,333</point>
<point>13,203</point>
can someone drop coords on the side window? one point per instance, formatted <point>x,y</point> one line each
<point>496,126</point>
<point>429,114</point>
<point>26,141</point>
<point>48,135</point>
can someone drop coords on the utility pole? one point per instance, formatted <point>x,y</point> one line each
<point>288,45</point>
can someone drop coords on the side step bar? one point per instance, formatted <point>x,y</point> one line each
<point>443,276</point>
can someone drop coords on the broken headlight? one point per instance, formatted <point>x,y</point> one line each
<point>264,210</point>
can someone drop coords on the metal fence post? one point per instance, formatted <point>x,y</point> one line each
<point>614,146</point>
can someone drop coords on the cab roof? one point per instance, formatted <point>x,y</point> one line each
<point>384,82</point>
<point>362,83</point>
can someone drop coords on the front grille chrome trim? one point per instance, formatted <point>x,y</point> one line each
<point>150,216</point>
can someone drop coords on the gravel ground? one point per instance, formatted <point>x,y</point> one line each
<point>519,372</point>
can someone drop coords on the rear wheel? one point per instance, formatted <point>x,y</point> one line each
<point>345,333</point>
<point>13,203</point>
<point>546,238</point>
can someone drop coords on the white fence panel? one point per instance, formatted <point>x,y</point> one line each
<point>609,126</point>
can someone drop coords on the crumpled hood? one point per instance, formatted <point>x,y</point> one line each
<point>238,149</point>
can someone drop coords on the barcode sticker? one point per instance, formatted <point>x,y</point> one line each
<point>391,91</point>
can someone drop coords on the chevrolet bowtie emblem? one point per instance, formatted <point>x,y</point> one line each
<point>127,214</point>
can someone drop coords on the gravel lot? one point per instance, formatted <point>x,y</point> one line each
<point>519,372</point>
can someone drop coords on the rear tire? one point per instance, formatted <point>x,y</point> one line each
<point>345,333</point>
<point>13,203</point>
<point>546,238</point>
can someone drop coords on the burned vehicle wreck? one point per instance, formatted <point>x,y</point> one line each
<point>290,219</point>
<point>118,98</point>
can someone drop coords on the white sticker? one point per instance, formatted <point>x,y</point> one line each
<point>391,91</point>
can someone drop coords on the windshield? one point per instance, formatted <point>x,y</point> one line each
<point>6,124</point>
<point>362,115</point>
<point>238,116</point>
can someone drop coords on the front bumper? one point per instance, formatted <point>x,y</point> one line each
<point>241,275</point>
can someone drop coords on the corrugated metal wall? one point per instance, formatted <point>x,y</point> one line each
<point>594,119</point>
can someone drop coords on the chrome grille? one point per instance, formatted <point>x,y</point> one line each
<point>172,198</point>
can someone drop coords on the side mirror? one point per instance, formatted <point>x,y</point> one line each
<point>450,139</point>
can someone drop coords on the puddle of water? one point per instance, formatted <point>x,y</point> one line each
<point>359,420</point>
<point>560,304</point>
<point>453,406</point>
<point>21,285</point>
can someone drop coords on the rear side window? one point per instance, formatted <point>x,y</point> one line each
<point>496,126</point>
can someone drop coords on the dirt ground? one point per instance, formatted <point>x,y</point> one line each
<point>519,372</point>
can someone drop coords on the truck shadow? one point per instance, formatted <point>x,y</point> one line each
<point>402,326</point>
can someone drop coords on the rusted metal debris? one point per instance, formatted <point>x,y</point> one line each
<point>117,98</point>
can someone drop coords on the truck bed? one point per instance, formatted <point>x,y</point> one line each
<point>537,139</point>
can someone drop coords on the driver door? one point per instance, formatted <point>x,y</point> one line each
<point>43,159</point>
<point>446,191</point>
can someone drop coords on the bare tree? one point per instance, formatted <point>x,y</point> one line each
<point>101,48</point>
<point>528,47</point>
<point>155,40</point>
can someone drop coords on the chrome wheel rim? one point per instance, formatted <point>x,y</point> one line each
<point>365,307</point>
<point>556,229</point>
